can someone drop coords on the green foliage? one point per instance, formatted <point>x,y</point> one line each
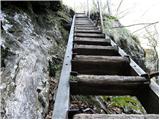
<point>135,38</point>
<point>73,78</point>
<point>63,15</point>
<point>112,17</point>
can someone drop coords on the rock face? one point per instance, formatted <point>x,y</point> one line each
<point>31,38</point>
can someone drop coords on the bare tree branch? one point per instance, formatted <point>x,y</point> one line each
<point>144,27</point>
<point>119,7</point>
<point>136,24</point>
<point>123,11</point>
<point>123,15</point>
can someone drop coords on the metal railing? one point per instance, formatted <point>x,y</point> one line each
<point>61,105</point>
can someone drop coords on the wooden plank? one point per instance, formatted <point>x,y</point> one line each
<point>61,105</point>
<point>79,15</point>
<point>116,116</point>
<point>86,28</point>
<point>100,65</point>
<point>123,89</point>
<point>88,31</point>
<point>92,41</point>
<point>84,25</point>
<point>105,59</point>
<point>91,35</point>
<point>105,80</point>
<point>95,50</point>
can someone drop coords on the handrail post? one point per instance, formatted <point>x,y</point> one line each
<point>101,17</point>
<point>88,9</point>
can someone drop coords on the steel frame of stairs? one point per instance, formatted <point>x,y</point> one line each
<point>84,56</point>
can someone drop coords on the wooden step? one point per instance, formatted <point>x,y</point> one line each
<point>86,28</point>
<point>91,41</point>
<point>81,16</point>
<point>85,25</point>
<point>116,116</point>
<point>100,65</point>
<point>95,50</point>
<point>87,31</point>
<point>90,35</point>
<point>107,80</point>
<point>107,84</point>
<point>83,22</point>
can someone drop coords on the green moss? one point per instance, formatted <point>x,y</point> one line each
<point>125,102</point>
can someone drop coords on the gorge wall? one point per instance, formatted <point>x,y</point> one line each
<point>34,35</point>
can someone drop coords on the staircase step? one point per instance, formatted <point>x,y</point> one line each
<point>108,84</point>
<point>85,25</point>
<point>83,22</point>
<point>87,31</point>
<point>81,15</point>
<point>100,65</point>
<point>95,50</point>
<point>92,41</point>
<point>86,28</point>
<point>83,18</point>
<point>91,35</point>
<point>116,116</point>
<point>107,80</point>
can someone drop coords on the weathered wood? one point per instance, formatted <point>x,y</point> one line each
<point>104,59</point>
<point>123,89</point>
<point>105,80</point>
<point>80,15</point>
<point>86,28</point>
<point>116,116</point>
<point>87,22</point>
<point>83,20</point>
<point>61,105</point>
<point>91,41</point>
<point>95,50</point>
<point>91,35</point>
<point>87,31</point>
<point>100,65</point>
<point>85,25</point>
<point>107,85</point>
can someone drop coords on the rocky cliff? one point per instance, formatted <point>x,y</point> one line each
<point>34,35</point>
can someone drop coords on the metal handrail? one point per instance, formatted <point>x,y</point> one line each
<point>100,14</point>
<point>61,105</point>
